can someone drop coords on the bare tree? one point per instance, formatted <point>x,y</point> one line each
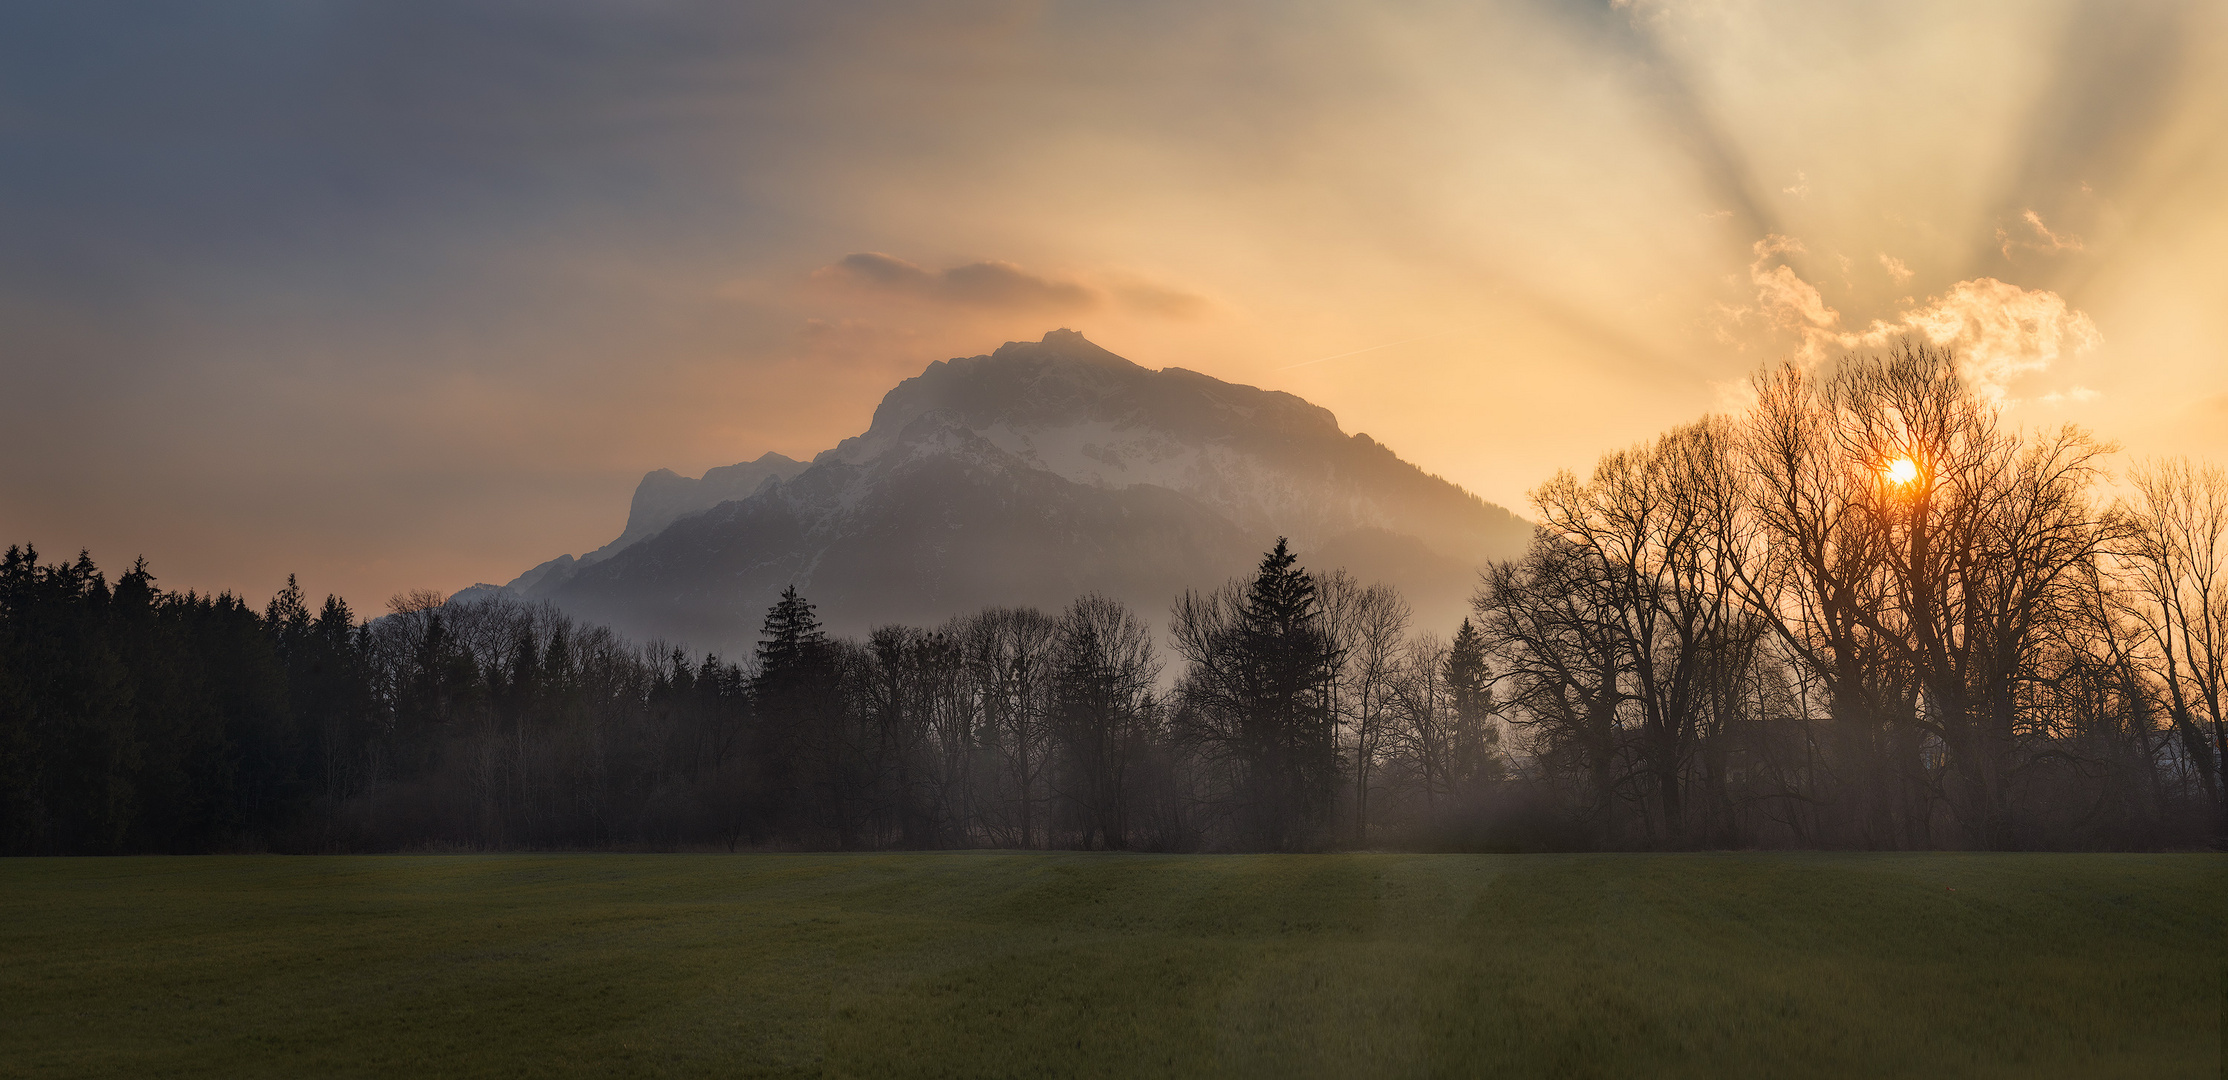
<point>1103,677</point>
<point>1817,581</point>
<point>1984,531</point>
<point>1010,651</point>
<point>1548,621</point>
<point>1654,523</point>
<point>1442,735</point>
<point>2179,596</point>
<point>1367,626</point>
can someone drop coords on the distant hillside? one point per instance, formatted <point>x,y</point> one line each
<point>1028,476</point>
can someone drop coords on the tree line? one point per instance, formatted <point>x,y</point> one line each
<point>1865,613</point>
<point>1870,613</point>
<point>140,720</point>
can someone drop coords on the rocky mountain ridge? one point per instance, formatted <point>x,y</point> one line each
<point>1028,476</point>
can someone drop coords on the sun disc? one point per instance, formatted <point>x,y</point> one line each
<point>1903,470</point>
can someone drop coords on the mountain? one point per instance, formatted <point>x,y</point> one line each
<point>1029,476</point>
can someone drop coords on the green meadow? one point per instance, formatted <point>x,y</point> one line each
<point>1037,964</point>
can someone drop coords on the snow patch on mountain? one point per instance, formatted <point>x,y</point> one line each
<point>1029,475</point>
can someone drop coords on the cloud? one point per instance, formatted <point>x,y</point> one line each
<point>245,239</point>
<point>1786,301</point>
<point>1998,330</point>
<point>2044,241</point>
<point>1895,268</point>
<point>1147,298</point>
<point>990,284</point>
<point>994,285</point>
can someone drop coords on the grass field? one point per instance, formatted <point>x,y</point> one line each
<point>1000,964</point>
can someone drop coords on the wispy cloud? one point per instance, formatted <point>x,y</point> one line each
<point>1782,293</point>
<point>609,215</point>
<point>1161,301</point>
<point>988,284</point>
<point>995,285</point>
<point>2042,242</point>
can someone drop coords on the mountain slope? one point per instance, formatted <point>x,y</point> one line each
<point>1028,476</point>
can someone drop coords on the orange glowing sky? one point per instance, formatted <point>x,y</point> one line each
<point>401,299</point>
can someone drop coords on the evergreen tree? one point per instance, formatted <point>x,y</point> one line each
<point>1258,698</point>
<point>1473,737</point>
<point>806,764</point>
<point>286,616</point>
<point>790,641</point>
<point>1288,664</point>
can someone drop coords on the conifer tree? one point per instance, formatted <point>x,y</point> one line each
<point>1258,693</point>
<point>286,615</point>
<point>790,639</point>
<point>1288,664</point>
<point>1470,691</point>
<point>797,704</point>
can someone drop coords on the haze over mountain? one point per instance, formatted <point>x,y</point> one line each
<point>1029,476</point>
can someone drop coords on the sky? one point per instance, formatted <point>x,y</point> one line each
<point>407,295</point>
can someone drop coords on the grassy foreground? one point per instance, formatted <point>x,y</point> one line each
<point>990,964</point>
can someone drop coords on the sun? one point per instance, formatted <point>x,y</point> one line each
<point>1903,470</point>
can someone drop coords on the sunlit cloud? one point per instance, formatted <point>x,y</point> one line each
<point>610,217</point>
<point>2042,241</point>
<point>1782,293</point>
<point>1785,303</point>
<point>1999,331</point>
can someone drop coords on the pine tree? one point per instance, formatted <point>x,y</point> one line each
<point>1468,685</point>
<point>1288,663</point>
<point>791,637</point>
<point>287,616</point>
<point>797,703</point>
